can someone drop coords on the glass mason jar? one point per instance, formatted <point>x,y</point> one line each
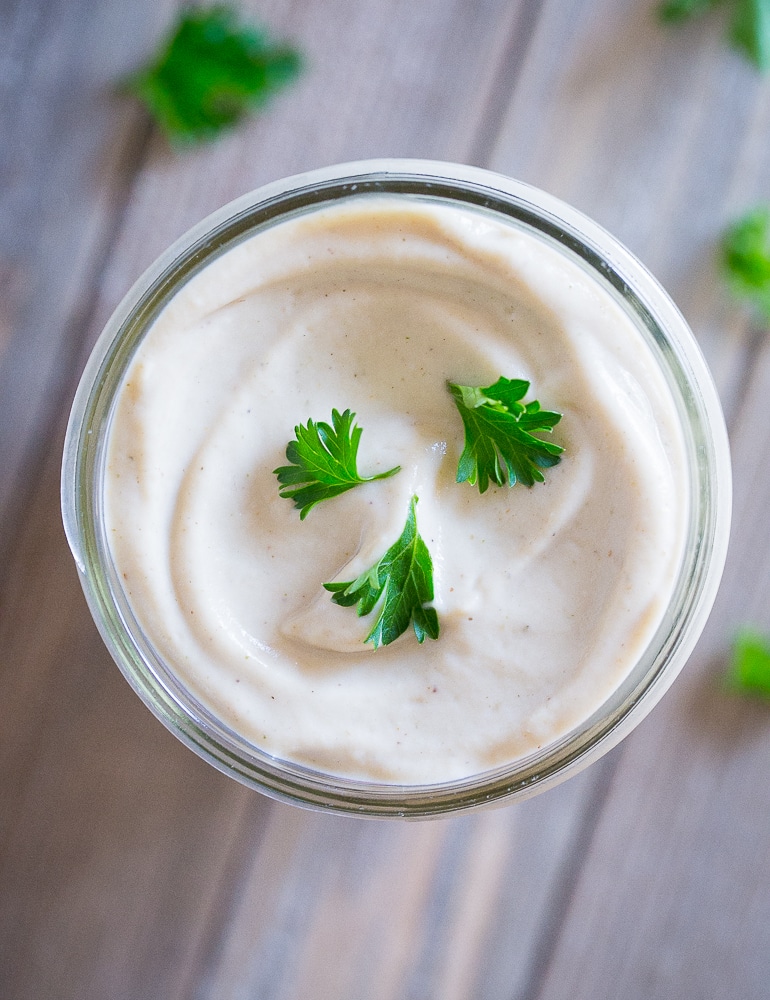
<point>616,270</point>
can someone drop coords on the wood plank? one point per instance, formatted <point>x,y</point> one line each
<point>453,908</point>
<point>675,884</point>
<point>65,160</point>
<point>663,140</point>
<point>659,136</point>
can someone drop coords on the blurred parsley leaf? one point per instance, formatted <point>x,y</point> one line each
<point>749,27</point>
<point>745,254</point>
<point>750,667</point>
<point>750,30</point>
<point>210,73</point>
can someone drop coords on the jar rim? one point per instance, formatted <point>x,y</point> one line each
<point>617,270</point>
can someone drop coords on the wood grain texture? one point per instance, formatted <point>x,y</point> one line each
<point>65,161</point>
<point>338,907</point>
<point>129,868</point>
<point>672,897</point>
<point>675,884</point>
<point>658,135</point>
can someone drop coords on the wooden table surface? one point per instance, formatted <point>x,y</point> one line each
<point>131,869</point>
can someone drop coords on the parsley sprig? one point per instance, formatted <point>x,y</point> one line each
<point>499,435</point>
<point>745,256</point>
<point>209,73</point>
<point>750,667</point>
<point>749,28</point>
<point>324,461</point>
<point>399,584</point>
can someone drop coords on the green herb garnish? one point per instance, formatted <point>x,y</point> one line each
<point>401,583</point>
<point>209,73</point>
<point>324,462</point>
<point>499,435</point>
<point>746,258</point>
<point>750,666</point>
<point>673,11</point>
<point>749,29</point>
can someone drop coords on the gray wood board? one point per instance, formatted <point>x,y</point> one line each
<point>666,141</point>
<point>128,868</point>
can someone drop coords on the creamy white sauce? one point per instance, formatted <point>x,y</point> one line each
<point>546,596</point>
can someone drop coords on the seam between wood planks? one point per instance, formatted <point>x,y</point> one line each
<point>503,80</point>
<point>566,883</point>
<point>75,328</point>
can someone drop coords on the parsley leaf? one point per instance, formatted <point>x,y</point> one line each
<point>324,462</point>
<point>749,30</point>
<point>499,435</point>
<point>401,582</point>
<point>681,10</point>
<point>209,73</point>
<point>750,667</point>
<point>746,258</point>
